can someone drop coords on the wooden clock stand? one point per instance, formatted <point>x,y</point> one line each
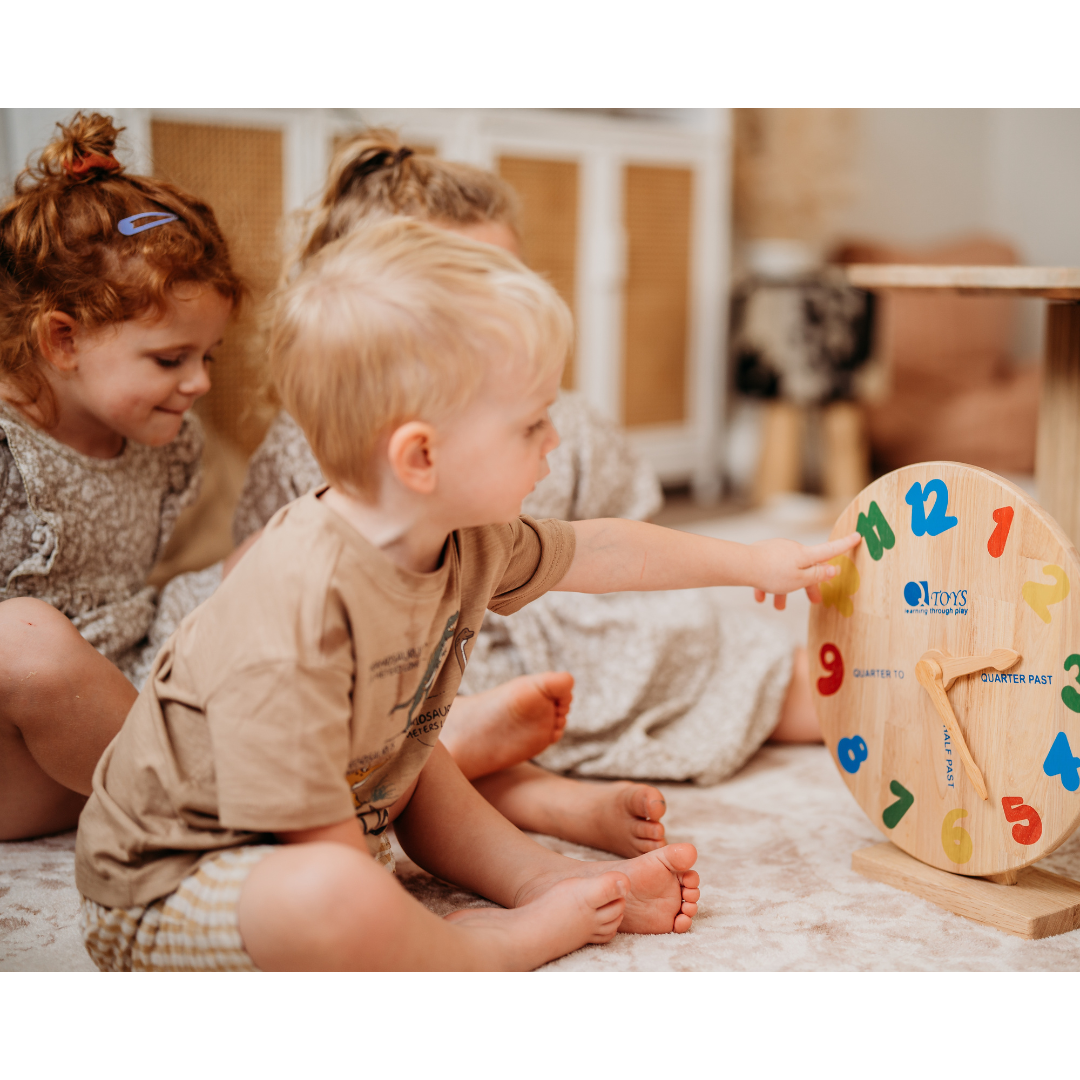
<point>1035,904</point>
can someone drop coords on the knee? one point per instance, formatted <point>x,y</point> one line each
<point>303,898</point>
<point>325,877</point>
<point>33,636</point>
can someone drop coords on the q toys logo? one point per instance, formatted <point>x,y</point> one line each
<point>922,600</point>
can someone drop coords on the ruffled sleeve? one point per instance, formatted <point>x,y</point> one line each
<point>22,536</point>
<point>282,469</point>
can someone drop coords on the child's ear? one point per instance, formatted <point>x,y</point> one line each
<point>56,339</point>
<point>411,456</point>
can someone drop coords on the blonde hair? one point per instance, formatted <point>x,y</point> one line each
<point>374,176</point>
<point>401,321</point>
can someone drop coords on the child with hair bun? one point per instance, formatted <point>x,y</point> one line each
<point>114,290</point>
<point>669,686</point>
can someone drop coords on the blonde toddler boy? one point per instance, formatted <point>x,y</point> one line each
<point>238,820</point>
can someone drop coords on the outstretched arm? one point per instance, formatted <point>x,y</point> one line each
<point>615,555</point>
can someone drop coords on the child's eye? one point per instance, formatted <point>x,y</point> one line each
<point>168,361</point>
<point>536,427</point>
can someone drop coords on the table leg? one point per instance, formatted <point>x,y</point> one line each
<point>1057,458</point>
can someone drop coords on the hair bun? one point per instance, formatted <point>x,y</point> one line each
<point>84,149</point>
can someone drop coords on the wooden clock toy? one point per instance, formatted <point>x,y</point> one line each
<point>945,665</point>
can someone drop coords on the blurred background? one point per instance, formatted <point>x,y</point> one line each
<point>699,251</point>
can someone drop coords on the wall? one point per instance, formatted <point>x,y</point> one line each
<point>1034,177</point>
<point>925,175</point>
<point>918,175</point>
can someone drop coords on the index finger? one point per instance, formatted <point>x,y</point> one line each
<point>823,552</point>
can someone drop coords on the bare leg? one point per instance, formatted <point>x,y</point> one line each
<point>326,907</point>
<point>315,906</point>
<point>61,703</point>
<point>798,719</point>
<point>621,817</point>
<point>455,834</point>
<point>508,724</point>
<point>492,735</point>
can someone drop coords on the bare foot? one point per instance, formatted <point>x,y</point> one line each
<point>573,912</point>
<point>663,891</point>
<point>508,724</point>
<point>621,817</point>
<point>624,818</point>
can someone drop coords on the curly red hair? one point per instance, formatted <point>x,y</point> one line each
<point>61,250</point>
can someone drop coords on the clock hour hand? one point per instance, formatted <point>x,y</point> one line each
<point>929,674</point>
<point>952,667</point>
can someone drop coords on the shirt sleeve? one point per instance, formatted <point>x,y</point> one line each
<point>540,555</point>
<point>280,737</point>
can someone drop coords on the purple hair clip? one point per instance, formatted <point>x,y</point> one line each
<point>128,227</point>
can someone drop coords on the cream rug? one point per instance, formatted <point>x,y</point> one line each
<point>778,892</point>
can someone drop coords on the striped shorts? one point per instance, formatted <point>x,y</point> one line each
<point>192,929</point>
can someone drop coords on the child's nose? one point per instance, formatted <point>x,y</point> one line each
<point>196,381</point>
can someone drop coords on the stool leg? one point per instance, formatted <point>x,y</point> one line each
<point>780,465</point>
<point>1057,456</point>
<point>847,453</point>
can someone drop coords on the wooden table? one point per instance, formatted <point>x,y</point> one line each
<point>1057,456</point>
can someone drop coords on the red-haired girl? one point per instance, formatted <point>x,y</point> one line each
<point>114,291</point>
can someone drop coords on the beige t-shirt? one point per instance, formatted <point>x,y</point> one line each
<point>310,686</point>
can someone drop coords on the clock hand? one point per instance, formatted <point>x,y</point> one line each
<point>954,666</point>
<point>928,672</point>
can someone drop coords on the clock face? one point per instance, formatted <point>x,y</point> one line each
<point>955,562</point>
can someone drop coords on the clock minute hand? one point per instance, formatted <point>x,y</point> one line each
<point>952,667</point>
<point>929,674</point>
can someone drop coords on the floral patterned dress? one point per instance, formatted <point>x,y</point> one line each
<point>83,534</point>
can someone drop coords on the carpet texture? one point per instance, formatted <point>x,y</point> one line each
<point>778,891</point>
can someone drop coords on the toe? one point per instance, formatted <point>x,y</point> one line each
<point>609,888</point>
<point>557,685</point>
<point>682,923</point>
<point>689,909</point>
<point>648,830</point>
<point>690,880</point>
<point>691,896</point>
<point>646,802</point>
<point>681,857</point>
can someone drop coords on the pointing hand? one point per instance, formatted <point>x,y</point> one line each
<point>783,566</point>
